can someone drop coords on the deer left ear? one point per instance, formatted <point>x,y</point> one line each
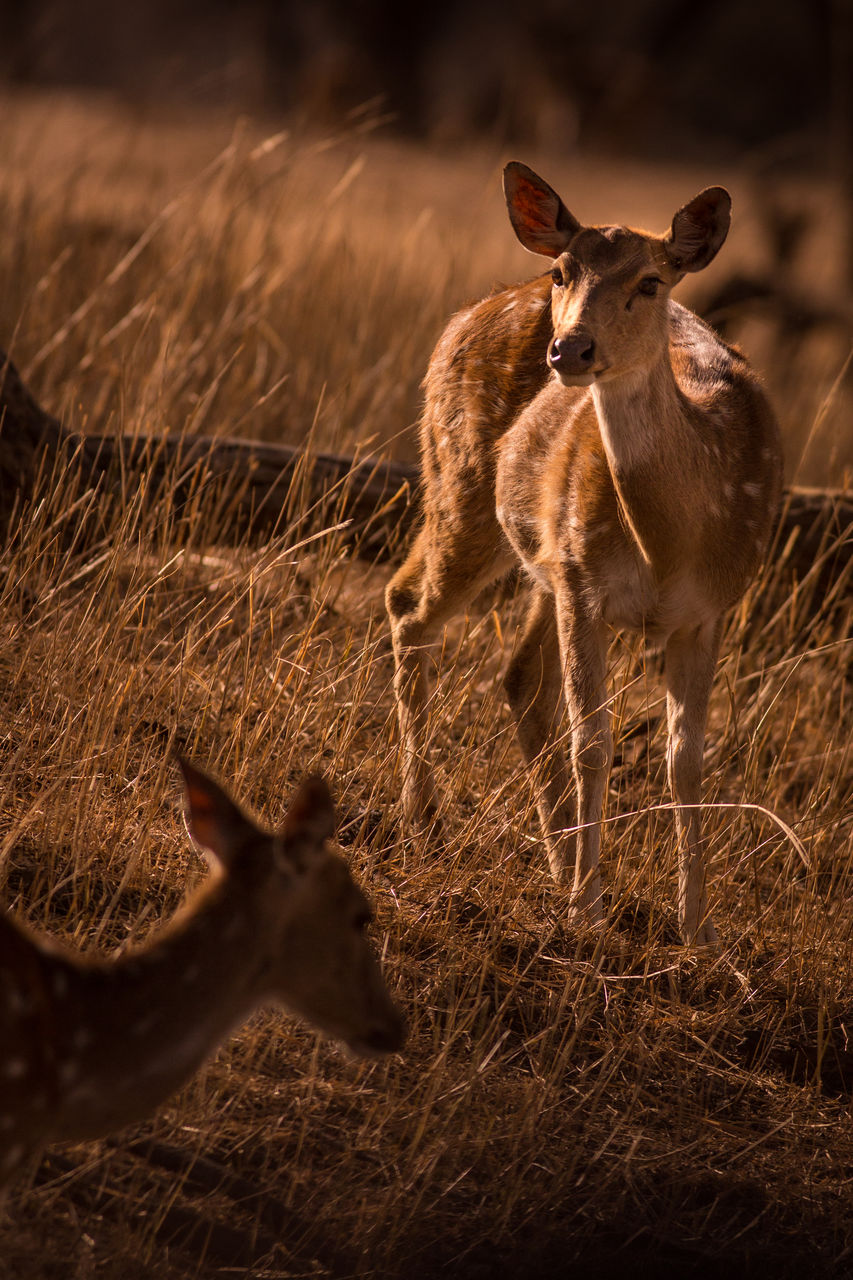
<point>310,817</point>
<point>213,819</point>
<point>698,230</point>
<point>539,218</point>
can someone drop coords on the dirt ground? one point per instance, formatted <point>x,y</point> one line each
<point>565,1105</point>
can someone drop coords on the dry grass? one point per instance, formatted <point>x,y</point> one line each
<point>560,1096</point>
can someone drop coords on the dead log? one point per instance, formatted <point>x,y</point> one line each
<point>25,430</point>
<point>810,578</point>
<point>258,483</point>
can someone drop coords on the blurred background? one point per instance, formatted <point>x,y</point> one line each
<point>648,76</point>
<point>628,107</point>
<point>656,76</point>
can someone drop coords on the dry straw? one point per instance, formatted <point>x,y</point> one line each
<point>558,1089</point>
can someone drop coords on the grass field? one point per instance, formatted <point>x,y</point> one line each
<point>566,1104</point>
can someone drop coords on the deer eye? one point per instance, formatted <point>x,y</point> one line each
<point>557,277</point>
<point>648,286</point>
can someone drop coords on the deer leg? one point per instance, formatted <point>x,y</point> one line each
<point>583,646</point>
<point>533,688</point>
<point>691,657</point>
<point>440,575</point>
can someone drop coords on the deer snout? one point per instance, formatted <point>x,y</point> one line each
<point>573,355</point>
<point>385,1036</point>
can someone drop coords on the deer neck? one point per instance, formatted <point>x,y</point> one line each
<point>650,441</point>
<point>132,1031</point>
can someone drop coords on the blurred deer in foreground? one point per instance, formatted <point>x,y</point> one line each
<point>637,485</point>
<point>87,1046</point>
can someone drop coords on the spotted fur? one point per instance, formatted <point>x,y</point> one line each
<point>637,485</point>
<point>88,1046</point>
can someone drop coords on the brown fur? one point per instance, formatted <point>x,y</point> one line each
<point>638,488</point>
<point>87,1046</point>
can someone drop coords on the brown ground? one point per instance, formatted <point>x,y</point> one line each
<point>565,1105</point>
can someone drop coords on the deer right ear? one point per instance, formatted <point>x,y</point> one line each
<point>310,816</point>
<point>539,218</point>
<point>699,229</point>
<point>213,819</point>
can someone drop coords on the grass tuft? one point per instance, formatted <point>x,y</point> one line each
<point>561,1097</point>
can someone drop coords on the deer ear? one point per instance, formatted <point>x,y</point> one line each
<point>213,819</point>
<point>699,229</point>
<point>310,818</point>
<point>539,218</point>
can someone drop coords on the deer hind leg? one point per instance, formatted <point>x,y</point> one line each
<point>533,685</point>
<point>583,646</point>
<point>691,656</point>
<point>441,574</point>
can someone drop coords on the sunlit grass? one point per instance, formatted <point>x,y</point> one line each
<point>558,1090</point>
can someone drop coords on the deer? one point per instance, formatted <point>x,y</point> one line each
<point>590,429</point>
<point>88,1046</point>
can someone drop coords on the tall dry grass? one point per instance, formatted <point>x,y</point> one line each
<point>561,1096</point>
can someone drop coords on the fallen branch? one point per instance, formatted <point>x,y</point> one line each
<point>256,481</point>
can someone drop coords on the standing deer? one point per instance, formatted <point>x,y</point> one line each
<point>637,485</point>
<point>88,1046</point>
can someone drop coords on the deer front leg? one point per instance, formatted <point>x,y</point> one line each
<point>583,646</point>
<point>534,691</point>
<point>691,657</point>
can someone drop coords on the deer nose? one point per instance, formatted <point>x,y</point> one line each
<point>572,354</point>
<point>387,1036</point>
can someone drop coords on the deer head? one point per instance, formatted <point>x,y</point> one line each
<point>611,285</point>
<point>302,910</point>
